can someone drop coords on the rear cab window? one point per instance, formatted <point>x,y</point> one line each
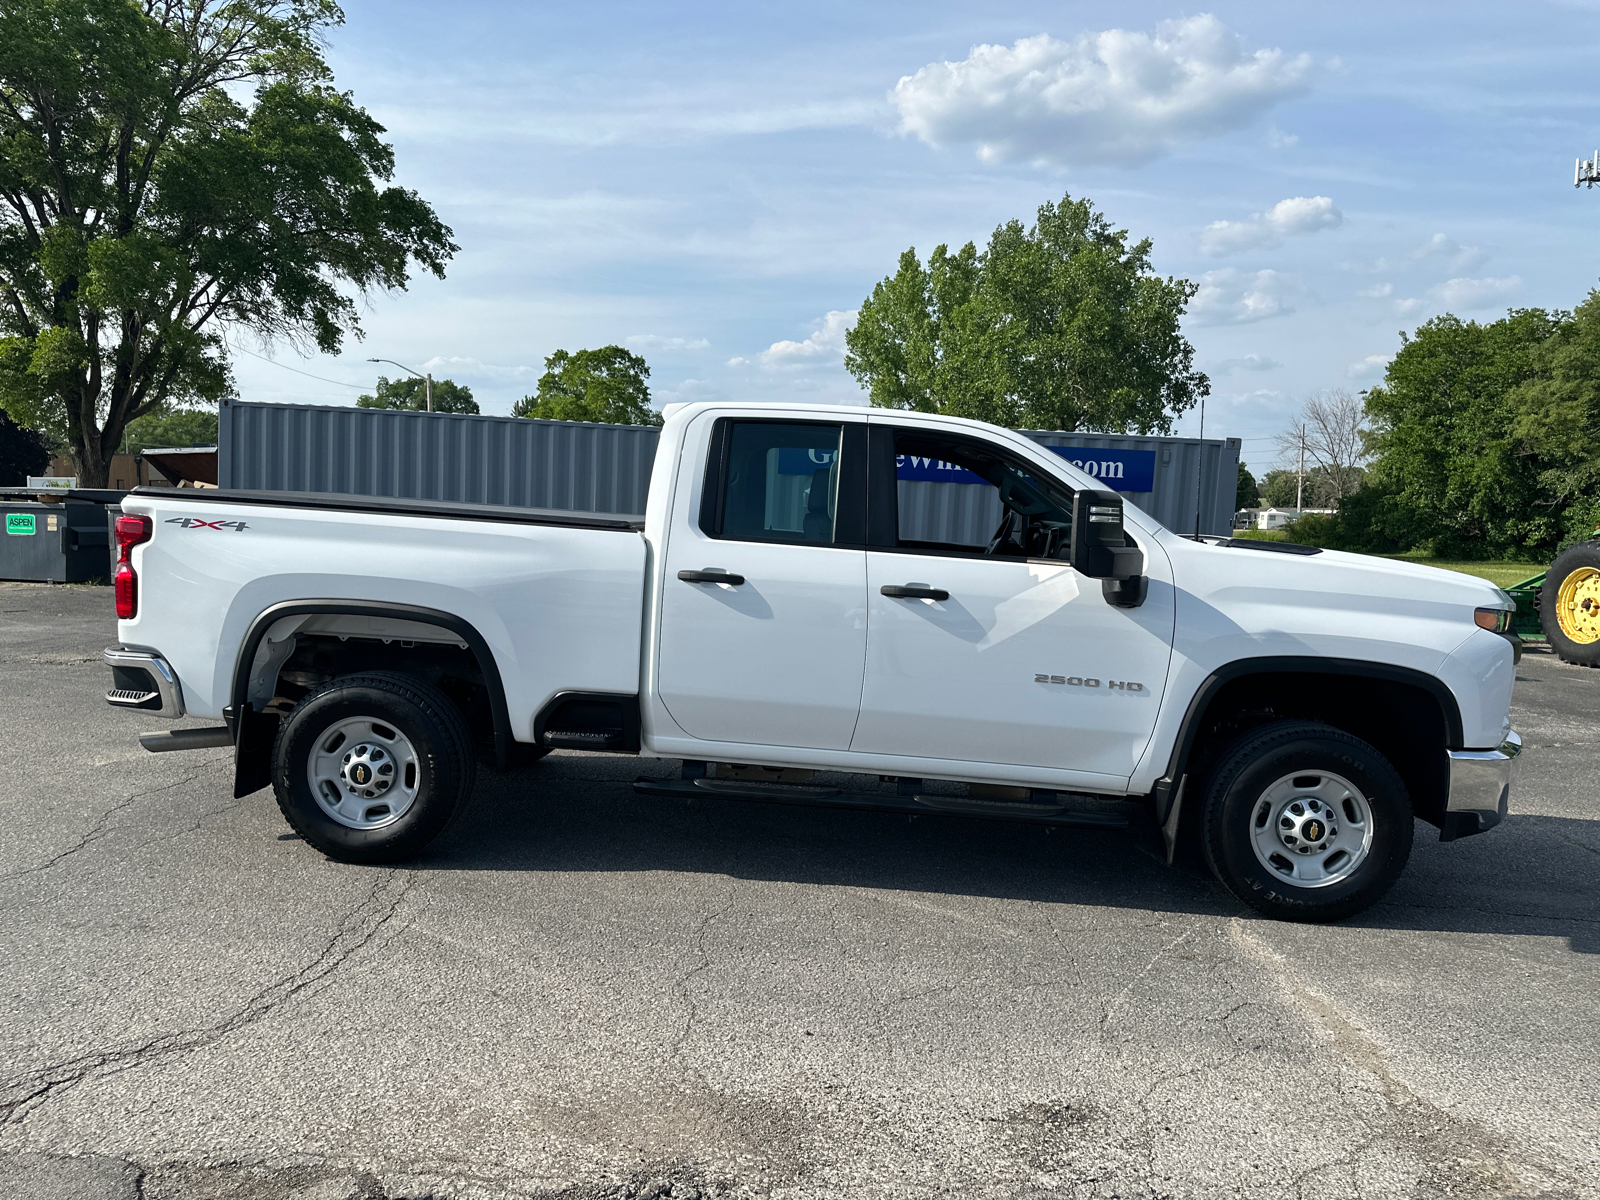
<point>786,481</point>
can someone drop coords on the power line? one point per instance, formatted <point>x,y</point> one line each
<point>296,370</point>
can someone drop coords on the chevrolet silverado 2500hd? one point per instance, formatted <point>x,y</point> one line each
<point>888,594</point>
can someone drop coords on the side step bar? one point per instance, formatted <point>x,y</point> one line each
<point>186,739</point>
<point>825,797</point>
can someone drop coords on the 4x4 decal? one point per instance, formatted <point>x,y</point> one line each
<point>202,523</point>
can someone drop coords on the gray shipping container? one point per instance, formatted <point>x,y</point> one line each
<point>606,468</point>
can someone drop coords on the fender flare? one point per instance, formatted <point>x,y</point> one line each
<point>1167,788</point>
<point>250,761</point>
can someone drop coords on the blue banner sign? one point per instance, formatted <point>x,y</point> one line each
<point>794,461</point>
<point>1119,470</point>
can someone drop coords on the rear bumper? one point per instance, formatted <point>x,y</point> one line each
<point>1480,789</point>
<point>142,679</point>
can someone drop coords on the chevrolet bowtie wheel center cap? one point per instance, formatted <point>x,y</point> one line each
<point>1307,826</point>
<point>368,771</point>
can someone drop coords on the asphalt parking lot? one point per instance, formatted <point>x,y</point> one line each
<point>581,992</point>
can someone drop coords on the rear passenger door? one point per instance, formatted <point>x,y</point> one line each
<point>763,614</point>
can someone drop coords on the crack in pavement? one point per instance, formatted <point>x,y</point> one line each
<point>681,986</point>
<point>1447,1147</point>
<point>1112,1004</point>
<point>355,931</point>
<point>101,825</point>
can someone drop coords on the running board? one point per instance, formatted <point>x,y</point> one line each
<point>186,739</point>
<point>825,797</point>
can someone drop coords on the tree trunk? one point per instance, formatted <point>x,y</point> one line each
<point>93,466</point>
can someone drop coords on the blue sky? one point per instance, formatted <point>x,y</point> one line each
<point>719,186</point>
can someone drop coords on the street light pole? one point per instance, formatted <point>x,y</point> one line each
<point>427,380</point>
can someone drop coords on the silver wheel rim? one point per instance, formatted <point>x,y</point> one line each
<point>1311,829</point>
<point>364,773</point>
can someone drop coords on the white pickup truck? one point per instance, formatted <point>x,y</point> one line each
<point>897,596</point>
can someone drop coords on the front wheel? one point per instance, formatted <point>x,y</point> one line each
<point>371,768</point>
<point>1304,822</point>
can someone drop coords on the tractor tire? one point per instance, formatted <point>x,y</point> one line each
<point>1569,605</point>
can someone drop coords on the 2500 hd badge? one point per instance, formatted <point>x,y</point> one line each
<point>1079,681</point>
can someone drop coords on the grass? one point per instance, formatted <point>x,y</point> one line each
<point>1501,574</point>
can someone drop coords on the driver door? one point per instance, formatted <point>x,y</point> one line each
<point>1024,663</point>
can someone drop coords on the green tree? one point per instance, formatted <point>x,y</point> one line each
<point>605,385</point>
<point>1248,494</point>
<point>23,452</point>
<point>1557,418</point>
<point>412,395</point>
<point>168,170</point>
<point>1061,326</point>
<point>1278,488</point>
<point>170,427</point>
<point>1446,449</point>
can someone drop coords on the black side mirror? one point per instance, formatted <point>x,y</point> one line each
<point>1100,548</point>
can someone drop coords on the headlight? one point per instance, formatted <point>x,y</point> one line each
<point>1495,620</point>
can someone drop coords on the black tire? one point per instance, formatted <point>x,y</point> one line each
<point>1583,557</point>
<point>441,774</point>
<point>1237,809</point>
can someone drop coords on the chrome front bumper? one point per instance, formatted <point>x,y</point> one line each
<point>1480,787</point>
<point>144,680</point>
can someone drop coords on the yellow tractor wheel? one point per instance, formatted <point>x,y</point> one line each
<point>1569,605</point>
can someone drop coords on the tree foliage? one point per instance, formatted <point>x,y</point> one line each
<point>168,170</point>
<point>1248,494</point>
<point>170,427</point>
<point>1061,326</point>
<point>1447,455</point>
<point>1321,488</point>
<point>605,385</point>
<point>412,395</point>
<point>23,452</point>
<point>1557,418</point>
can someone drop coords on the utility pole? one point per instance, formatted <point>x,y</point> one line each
<point>1586,173</point>
<point>1300,484</point>
<point>427,380</point>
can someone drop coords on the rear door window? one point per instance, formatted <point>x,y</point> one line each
<point>783,481</point>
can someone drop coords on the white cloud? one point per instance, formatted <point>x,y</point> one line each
<point>825,344</point>
<point>472,368</point>
<point>1279,140</point>
<point>1287,218</point>
<point>1250,362</point>
<point>1457,256</point>
<point>1408,306</point>
<point>1372,364</point>
<point>1118,96</point>
<point>1475,293</point>
<point>689,391</point>
<point>659,344</point>
<point>1378,291</point>
<point>1230,297</point>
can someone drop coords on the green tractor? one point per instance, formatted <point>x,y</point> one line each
<point>1562,606</point>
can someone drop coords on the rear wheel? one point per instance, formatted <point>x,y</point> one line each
<point>371,768</point>
<point>1569,605</point>
<point>1304,822</point>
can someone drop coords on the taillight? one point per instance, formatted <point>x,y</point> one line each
<point>131,531</point>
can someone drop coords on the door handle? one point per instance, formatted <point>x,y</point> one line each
<point>914,593</point>
<point>711,577</point>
